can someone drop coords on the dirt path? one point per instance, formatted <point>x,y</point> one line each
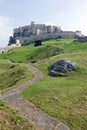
<point>39,119</point>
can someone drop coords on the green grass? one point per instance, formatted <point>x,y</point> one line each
<point>48,49</point>
<point>27,53</point>
<point>12,75</point>
<point>11,120</point>
<point>64,98</point>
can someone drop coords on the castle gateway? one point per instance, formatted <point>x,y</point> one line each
<point>34,32</point>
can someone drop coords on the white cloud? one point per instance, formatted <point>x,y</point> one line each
<point>5,30</point>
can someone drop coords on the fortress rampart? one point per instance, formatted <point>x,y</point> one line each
<point>35,32</point>
<point>24,40</point>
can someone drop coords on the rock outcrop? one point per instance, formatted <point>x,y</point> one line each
<point>61,67</point>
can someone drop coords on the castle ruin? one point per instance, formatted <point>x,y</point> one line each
<point>34,32</point>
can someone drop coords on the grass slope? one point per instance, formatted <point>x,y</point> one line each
<point>64,98</point>
<point>48,49</point>
<point>11,120</point>
<point>12,75</point>
<point>26,53</point>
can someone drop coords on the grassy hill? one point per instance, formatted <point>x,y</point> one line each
<point>48,49</point>
<point>12,75</point>
<point>64,98</point>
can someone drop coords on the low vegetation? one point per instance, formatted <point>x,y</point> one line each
<point>64,98</point>
<point>12,75</point>
<point>48,49</point>
<point>11,120</point>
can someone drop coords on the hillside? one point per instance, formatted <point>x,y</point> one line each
<point>64,98</point>
<point>48,49</point>
<point>10,120</point>
<point>12,75</point>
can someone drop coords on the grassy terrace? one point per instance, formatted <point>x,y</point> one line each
<point>64,98</point>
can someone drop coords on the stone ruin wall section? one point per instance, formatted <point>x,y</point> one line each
<point>63,34</point>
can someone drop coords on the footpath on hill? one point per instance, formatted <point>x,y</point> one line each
<point>35,116</point>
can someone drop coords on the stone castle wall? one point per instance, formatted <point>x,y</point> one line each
<point>35,32</point>
<point>24,40</point>
<point>35,29</point>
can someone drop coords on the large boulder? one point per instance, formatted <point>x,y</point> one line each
<point>61,67</point>
<point>53,74</point>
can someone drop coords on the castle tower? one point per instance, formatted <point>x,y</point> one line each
<point>32,22</point>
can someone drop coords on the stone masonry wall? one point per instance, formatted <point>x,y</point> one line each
<point>35,32</point>
<point>24,40</point>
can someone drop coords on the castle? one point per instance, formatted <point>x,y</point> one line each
<point>34,32</point>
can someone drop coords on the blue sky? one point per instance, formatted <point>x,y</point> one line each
<point>69,14</point>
